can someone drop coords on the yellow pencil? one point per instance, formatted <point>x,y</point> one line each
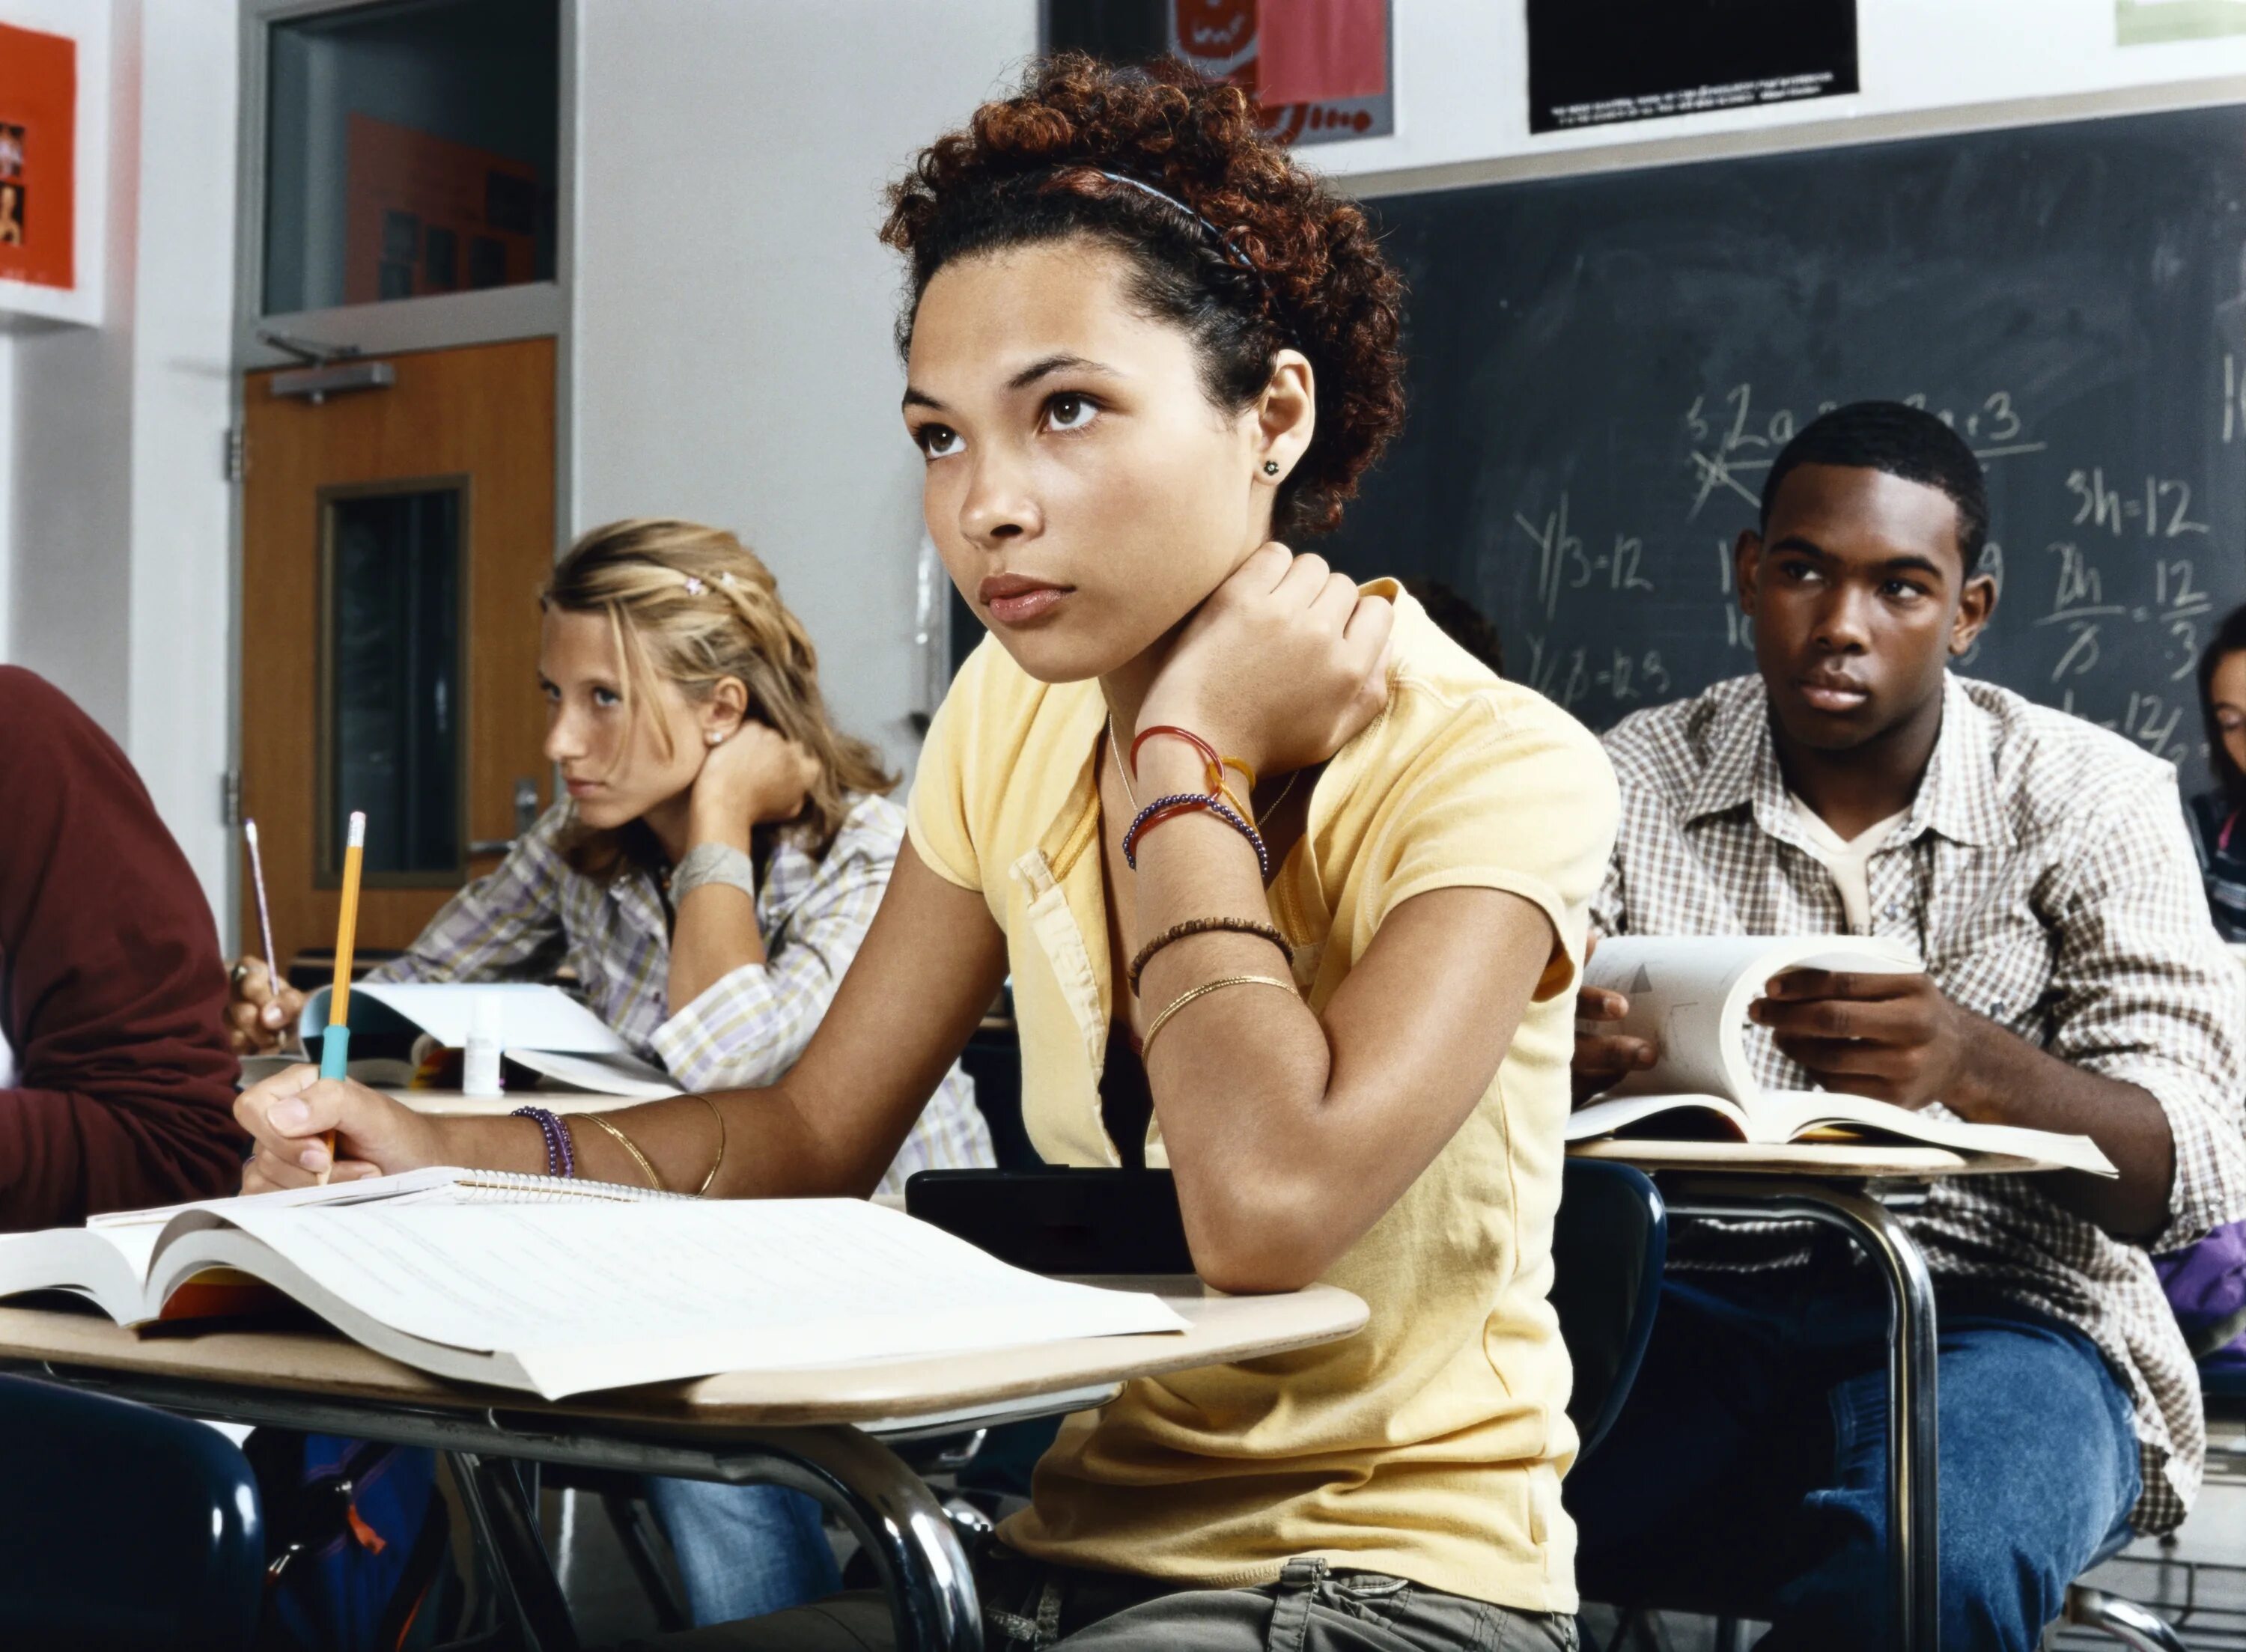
<point>335,1046</point>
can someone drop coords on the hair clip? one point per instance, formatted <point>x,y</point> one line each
<point>726,579</point>
<point>694,587</point>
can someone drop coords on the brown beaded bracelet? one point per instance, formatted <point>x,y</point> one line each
<point>1201,927</point>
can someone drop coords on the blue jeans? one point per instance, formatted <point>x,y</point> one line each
<point>1747,1474</point>
<point>744,1550</point>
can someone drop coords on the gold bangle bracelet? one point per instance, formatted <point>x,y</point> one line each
<point>1146,1044</point>
<point>627,1144</point>
<point>703,1192</point>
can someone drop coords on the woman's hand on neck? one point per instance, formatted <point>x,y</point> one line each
<point>1281,667</point>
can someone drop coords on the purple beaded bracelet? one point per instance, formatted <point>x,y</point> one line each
<point>561,1158</point>
<point>1199,800</point>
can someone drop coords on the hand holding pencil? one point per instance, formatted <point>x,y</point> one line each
<point>263,1009</point>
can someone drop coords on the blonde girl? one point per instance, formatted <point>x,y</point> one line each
<point>708,880</point>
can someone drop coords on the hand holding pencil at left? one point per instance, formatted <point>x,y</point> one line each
<point>261,1011</point>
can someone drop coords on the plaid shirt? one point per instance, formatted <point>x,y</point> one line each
<point>2044,874</point>
<point>746,1029</point>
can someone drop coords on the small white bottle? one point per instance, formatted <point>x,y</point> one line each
<point>480,1059</point>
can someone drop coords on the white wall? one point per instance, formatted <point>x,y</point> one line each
<point>1462,79</point>
<point>732,308</point>
<point>72,504</point>
<point>180,701</point>
<point>120,588</point>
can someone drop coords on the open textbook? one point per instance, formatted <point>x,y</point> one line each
<point>564,1286</point>
<point>539,1027</point>
<point>1690,995</point>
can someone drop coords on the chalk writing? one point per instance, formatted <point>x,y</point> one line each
<point>1723,449</point>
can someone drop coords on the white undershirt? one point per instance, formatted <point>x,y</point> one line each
<point>1848,859</point>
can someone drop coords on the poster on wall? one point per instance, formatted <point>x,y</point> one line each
<point>428,215</point>
<point>1317,69</point>
<point>1320,71</point>
<point>2138,22</point>
<point>1595,62</point>
<point>38,138</point>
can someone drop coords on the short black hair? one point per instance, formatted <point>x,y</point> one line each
<point>1900,440</point>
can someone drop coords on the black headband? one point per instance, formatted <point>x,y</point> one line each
<point>1217,237</point>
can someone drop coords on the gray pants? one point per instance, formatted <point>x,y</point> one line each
<point>1028,1607</point>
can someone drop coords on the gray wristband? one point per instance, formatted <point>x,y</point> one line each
<point>712,863</point>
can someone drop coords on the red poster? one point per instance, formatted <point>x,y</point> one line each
<point>38,140</point>
<point>1323,50</point>
<point>428,215</point>
<point>1317,44</point>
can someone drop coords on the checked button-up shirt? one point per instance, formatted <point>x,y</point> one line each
<point>2044,874</point>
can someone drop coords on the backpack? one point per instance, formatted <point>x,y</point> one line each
<point>358,1545</point>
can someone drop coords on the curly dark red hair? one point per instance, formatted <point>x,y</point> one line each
<point>1263,257</point>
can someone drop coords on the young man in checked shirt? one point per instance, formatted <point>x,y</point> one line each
<point>2074,982</point>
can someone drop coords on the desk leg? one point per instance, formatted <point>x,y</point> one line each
<point>1914,1471</point>
<point>897,1519</point>
<point>506,1530</point>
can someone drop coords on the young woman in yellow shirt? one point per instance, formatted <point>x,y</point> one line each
<point>1292,892</point>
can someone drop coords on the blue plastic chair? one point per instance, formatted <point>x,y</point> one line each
<point>1609,1247</point>
<point>123,1526</point>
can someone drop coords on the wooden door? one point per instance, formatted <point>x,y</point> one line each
<point>394,543</point>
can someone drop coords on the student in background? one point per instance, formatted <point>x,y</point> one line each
<point>116,1084</point>
<point>2073,984</point>
<point>2206,1284</point>
<point>2218,815</point>
<point>1460,621</point>
<point>712,874</point>
<point>1141,342</point>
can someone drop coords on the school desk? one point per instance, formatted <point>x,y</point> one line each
<point>818,1430</point>
<point>1855,1187</point>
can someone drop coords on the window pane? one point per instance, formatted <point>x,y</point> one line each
<point>410,150</point>
<point>393,648</point>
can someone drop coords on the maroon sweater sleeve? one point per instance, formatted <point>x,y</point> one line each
<point>111,988</point>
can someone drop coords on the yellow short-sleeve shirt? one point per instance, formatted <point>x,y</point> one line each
<point>1431,1444</point>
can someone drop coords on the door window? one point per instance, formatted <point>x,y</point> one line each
<point>409,150</point>
<point>390,665</point>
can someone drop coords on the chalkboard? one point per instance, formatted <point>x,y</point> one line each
<point>1601,368</point>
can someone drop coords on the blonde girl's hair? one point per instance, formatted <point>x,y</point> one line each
<point>692,605</point>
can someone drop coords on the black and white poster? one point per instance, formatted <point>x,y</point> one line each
<point>1594,62</point>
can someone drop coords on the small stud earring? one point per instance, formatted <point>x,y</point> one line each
<point>1270,467</point>
<point>714,738</point>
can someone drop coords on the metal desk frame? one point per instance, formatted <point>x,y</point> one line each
<point>895,1516</point>
<point>1914,1483</point>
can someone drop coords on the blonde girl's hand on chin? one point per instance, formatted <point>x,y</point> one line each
<point>289,1115</point>
<point>754,775</point>
<point>1282,666</point>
